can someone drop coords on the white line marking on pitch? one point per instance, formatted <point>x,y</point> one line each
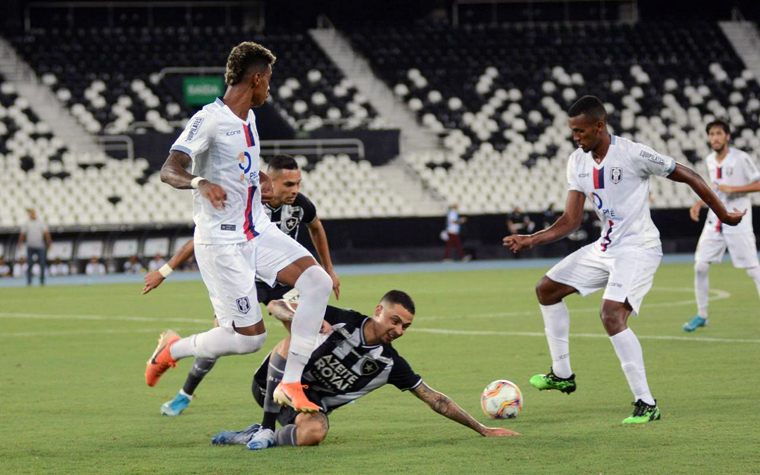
<point>80,332</point>
<point>105,317</point>
<point>580,335</point>
<point>718,295</point>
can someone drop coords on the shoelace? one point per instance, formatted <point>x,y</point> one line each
<point>640,408</point>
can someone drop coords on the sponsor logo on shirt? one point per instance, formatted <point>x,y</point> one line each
<point>228,227</point>
<point>194,129</point>
<point>245,165</point>
<point>329,371</point>
<point>584,175</point>
<point>652,157</point>
<point>233,132</point>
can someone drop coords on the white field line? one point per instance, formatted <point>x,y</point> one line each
<point>581,335</point>
<point>716,295</point>
<point>82,332</point>
<point>43,316</point>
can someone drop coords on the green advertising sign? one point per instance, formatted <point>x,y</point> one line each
<point>201,90</point>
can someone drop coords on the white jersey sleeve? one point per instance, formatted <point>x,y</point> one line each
<point>572,176</point>
<point>648,162</point>
<point>749,169</point>
<point>198,135</point>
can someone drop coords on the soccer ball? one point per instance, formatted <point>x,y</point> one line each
<point>501,399</point>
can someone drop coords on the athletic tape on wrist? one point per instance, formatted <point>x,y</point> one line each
<point>196,181</point>
<point>165,270</point>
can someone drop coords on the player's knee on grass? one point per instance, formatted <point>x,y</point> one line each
<point>312,428</point>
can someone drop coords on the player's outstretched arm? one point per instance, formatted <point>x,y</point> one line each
<point>686,175</point>
<point>284,311</point>
<point>267,187</point>
<point>751,188</point>
<point>319,238</point>
<point>173,173</point>
<point>567,224</point>
<point>154,279</point>
<point>444,405</point>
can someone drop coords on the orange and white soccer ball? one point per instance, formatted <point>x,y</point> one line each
<point>501,399</point>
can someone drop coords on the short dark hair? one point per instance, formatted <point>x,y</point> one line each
<point>243,57</point>
<point>719,123</point>
<point>399,297</point>
<point>590,106</point>
<point>282,162</point>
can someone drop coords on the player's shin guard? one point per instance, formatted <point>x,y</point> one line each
<point>201,367</point>
<point>557,329</point>
<point>219,341</point>
<point>628,350</point>
<point>314,285</point>
<point>288,435</point>
<point>702,286</point>
<point>274,376</point>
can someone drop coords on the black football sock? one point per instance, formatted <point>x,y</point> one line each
<point>274,376</point>
<point>201,367</point>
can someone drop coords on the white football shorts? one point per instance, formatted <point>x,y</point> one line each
<point>230,277</point>
<point>627,274</point>
<point>742,248</point>
<point>275,250</point>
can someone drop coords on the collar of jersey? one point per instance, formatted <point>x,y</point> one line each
<point>361,334</point>
<point>226,109</point>
<point>598,166</point>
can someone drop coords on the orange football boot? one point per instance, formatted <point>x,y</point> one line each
<point>162,358</point>
<point>291,394</point>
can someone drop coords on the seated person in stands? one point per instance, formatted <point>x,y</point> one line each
<point>156,263</point>
<point>95,267</point>
<point>189,265</point>
<point>5,270</point>
<point>517,222</point>
<point>59,268</point>
<point>133,266</point>
<point>19,268</point>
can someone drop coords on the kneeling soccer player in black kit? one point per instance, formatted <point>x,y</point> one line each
<point>354,356</point>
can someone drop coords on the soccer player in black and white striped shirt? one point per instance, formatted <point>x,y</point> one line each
<point>353,357</point>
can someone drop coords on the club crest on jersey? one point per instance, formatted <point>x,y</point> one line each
<point>369,366</point>
<point>616,175</point>
<point>243,304</point>
<point>290,224</point>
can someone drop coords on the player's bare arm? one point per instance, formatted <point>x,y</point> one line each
<point>154,279</point>
<point>567,224</point>
<point>751,188</point>
<point>319,238</point>
<point>444,405</point>
<point>686,175</point>
<point>174,173</point>
<point>694,211</point>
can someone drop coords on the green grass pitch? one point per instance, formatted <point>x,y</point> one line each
<point>74,399</point>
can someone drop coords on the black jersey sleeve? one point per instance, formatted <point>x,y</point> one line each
<point>309,210</point>
<point>335,315</point>
<point>402,375</point>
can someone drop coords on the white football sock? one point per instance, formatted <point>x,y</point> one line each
<point>702,286</point>
<point>628,350</point>
<point>557,329</point>
<point>754,273</point>
<point>219,341</point>
<point>314,286</point>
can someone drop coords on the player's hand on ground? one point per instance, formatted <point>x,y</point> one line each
<point>336,283</point>
<point>725,188</point>
<point>733,217</point>
<point>518,242</point>
<point>267,189</point>
<point>152,280</point>
<point>694,212</point>
<point>214,193</point>
<point>326,328</point>
<point>497,432</point>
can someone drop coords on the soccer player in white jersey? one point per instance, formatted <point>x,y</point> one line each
<point>234,239</point>
<point>613,173</point>
<point>734,174</point>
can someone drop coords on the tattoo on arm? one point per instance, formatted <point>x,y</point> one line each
<point>444,405</point>
<point>173,171</point>
<point>183,254</point>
